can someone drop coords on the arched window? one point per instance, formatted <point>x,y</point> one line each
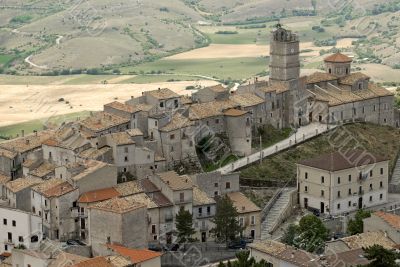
<point>330,71</point>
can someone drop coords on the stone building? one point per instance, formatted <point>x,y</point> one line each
<point>117,221</point>
<point>337,183</point>
<point>204,209</point>
<point>18,192</point>
<point>217,184</point>
<point>209,94</point>
<point>249,215</point>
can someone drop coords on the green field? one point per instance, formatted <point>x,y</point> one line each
<point>230,68</point>
<point>11,131</point>
<point>143,79</point>
<point>4,59</point>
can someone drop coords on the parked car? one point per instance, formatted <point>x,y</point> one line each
<point>155,247</point>
<point>239,244</point>
<point>73,242</point>
<point>316,212</point>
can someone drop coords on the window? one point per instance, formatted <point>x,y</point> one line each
<point>381,171</point>
<point>216,121</point>
<point>126,149</point>
<point>200,211</point>
<point>322,179</point>
<point>370,198</point>
<point>370,186</point>
<point>338,206</point>
<point>349,191</point>
<point>305,189</point>
<point>349,204</point>
<point>215,193</point>
<point>338,180</point>
<point>253,220</point>
<point>182,197</point>
<point>208,210</point>
<point>306,175</point>
<point>153,229</point>
<point>9,236</point>
<point>381,196</point>
<point>228,185</point>
<point>155,237</point>
<point>14,223</point>
<point>338,194</point>
<point>374,108</point>
<point>45,202</point>
<point>380,184</point>
<point>20,239</point>
<point>241,221</point>
<point>176,103</point>
<point>330,71</point>
<point>172,137</point>
<point>370,173</point>
<point>161,104</point>
<point>5,247</point>
<point>322,193</point>
<point>5,221</point>
<point>215,184</point>
<point>349,177</point>
<point>126,159</point>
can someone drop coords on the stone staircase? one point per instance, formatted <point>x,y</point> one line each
<point>277,210</point>
<point>394,184</point>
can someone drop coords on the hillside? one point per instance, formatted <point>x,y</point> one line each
<point>64,36</point>
<point>381,140</point>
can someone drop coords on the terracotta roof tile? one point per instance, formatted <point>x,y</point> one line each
<point>201,198</point>
<point>136,255</point>
<point>129,188</point>
<point>7,154</point>
<point>109,261</point>
<point>164,93</point>
<point>247,99</point>
<point>122,107</point>
<point>174,181</point>
<point>101,121</point>
<point>22,183</point>
<point>368,239</point>
<point>352,78</point>
<point>210,109</point>
<point>178,121</point>
<point>89,166</point>
<point>122,138</point>
<point>59,190</point>
<point>336,161</point>
<point>43,170</point>
<point>27,143</point>
<point>4,179</point>
<point>134,132</point>
<point>143,199</point>
<point>99,195</point>
<point>338,58</point>
<point>118,205</point>
<point>234,112</point>
<point>317,77</point>
<point>392,219</point>
<point>218,88</point>
<point>242,203</point>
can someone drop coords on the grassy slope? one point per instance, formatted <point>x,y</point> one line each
<point>381,140</point>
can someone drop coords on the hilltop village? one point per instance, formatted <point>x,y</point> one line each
<point>111,185</point>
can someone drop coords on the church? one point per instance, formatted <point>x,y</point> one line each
<point>337,95</point>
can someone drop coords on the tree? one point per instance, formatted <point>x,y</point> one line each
<point>314,5</point>
<point>244,260</point>
<point>312,234</point>
<point>184,222</point>
<point>356,226</point>
<point>226,224</point>
<point>290,234</point>
<point>380,256</point>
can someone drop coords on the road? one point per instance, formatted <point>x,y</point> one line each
<point>303,133</point>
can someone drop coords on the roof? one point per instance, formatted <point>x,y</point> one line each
<point>101,121</point>
<point>354,257</point>
<point>122,138</point>
<point>7,154</point>
<point>218,88</point>
<point>4,179</point>
<point>22,183</point>
<point>99,195</point>
<point>135,255</point>
<point>109,261</point>
<point>143,199</point>
<point>118,205</point>
<point>210,109</point>
<point>94,153</point>
<point>123,107</point>
<point>242,203</point>
<point>27,143</point>
<point>392,219</point>
<point>58,190</point>
<point>185,100</point>
<point>201,198</point>
<point>43,170</point>
<point>353,77</point>
<point>68,138</point>
<point>317,77</point>
<point>134,132</point>
<point>129,188</point>
<point>160,199</point>
<point>368,239</point>
<point>161,94</point>
<point>277,87</point>
<point>62,258</point>
<point>174,181</point>
<point>234,112</point>
<point>338,58</point>
<point>47,184</point>
<point>336,161</point>
<point>177,121</point>
<point>89,167</point>
<point>285,253</point>
<point>247,99</point>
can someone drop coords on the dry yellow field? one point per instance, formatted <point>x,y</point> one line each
<point>21,103</point>
<point>249,50</point>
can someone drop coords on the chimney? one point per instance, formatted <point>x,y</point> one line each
<point>22,133</point>
<point>27,141</point>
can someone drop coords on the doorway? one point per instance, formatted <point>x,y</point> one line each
<point>253,234</point>
<point>322,207</point>
<point>203,237</point>
<point>306,203</point>
<point>360,203</point>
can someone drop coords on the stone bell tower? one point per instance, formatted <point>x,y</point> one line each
<point>284,55</point>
